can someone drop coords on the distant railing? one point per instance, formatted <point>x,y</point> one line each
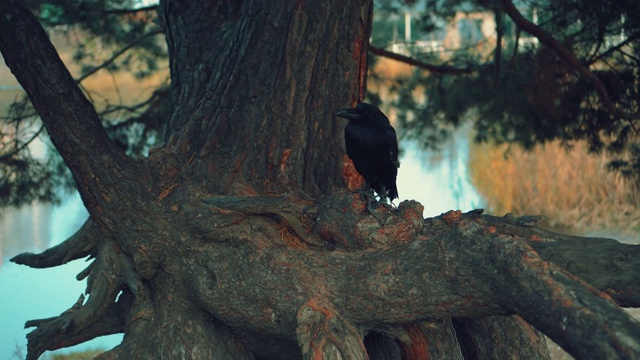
<point>417,47</point>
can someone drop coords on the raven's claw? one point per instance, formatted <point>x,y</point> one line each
<point>369,197</point>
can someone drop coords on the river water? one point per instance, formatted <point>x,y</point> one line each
<point>38,293</point>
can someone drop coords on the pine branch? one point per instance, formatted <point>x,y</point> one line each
<point>563,52</point>
<point>22,146</point>
<point>69,117</point>
<point>422,65</point>
<point>131,11</point>
<point>118,53</point>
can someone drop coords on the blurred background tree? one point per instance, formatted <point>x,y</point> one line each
<point>554,134</point>
<point>116,54</point>
<point>513,88</point>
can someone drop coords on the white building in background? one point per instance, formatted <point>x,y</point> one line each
<point>466,31</point>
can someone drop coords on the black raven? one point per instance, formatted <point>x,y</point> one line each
<point>372,146</point>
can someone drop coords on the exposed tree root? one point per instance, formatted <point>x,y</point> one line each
<point>403,282</point>
<point>346,227</point>
<point>110,277</point>
<point>83,243</point>
<point>323,334</point>
<point>606,264</point>
<point>485,338</point>
<point>71,328</point>
<point>421,269</point>
<point>280,207</point>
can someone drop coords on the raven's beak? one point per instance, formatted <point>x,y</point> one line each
<point>351,114</point>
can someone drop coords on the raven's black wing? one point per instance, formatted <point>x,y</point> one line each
<point>389,179</point>
<point>374,152</point>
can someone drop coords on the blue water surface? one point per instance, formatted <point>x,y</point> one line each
<point>39,293</point>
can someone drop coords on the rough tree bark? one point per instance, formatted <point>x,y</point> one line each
<point>234,240</point>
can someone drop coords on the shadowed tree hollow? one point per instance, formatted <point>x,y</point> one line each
<point>238,240</point>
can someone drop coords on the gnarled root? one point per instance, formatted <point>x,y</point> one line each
<point>112,285</point>
<point>323,334</point>
<point>83,243</point>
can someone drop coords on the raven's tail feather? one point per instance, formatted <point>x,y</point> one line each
<point>393,192</point>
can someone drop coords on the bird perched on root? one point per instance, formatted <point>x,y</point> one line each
<point>372,146</point>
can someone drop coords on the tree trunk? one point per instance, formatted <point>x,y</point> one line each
<point>234,241</point>
<point>254,96</point>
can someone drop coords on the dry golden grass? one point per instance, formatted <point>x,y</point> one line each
<point>79,355</point>
<point>104,88</point>
<point>392,69</point>
<point>574,190</point>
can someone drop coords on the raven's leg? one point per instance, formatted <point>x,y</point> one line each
<point>370,198</point>
<point>368,195</point>
<point>375,214</point>
<point>384,195</point>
